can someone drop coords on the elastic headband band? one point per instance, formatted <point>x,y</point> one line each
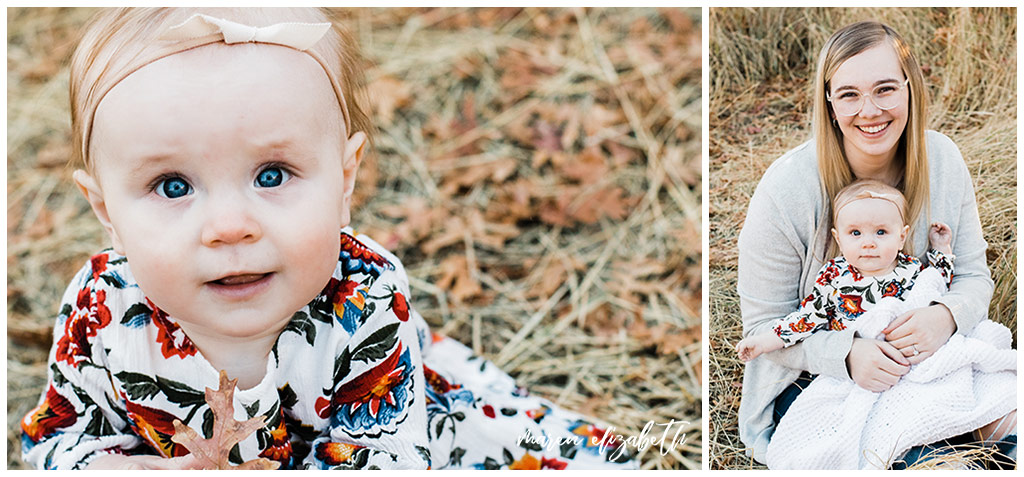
<point>200,30</point>
<point>867,194</point>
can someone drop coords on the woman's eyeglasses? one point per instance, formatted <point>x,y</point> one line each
<point>885,96</point>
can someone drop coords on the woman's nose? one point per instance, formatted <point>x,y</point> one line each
<point>230,221</point>
<point>868,109</point>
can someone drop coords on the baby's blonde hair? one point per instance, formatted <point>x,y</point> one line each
<point>117,39</point>
<point>869,189</point>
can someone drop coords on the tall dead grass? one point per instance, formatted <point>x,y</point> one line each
<point>761,63</point>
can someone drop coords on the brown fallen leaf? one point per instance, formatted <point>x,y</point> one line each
<point>213,453</point>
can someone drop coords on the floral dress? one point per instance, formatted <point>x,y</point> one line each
<point>356,380</point>
<point>842,294</point>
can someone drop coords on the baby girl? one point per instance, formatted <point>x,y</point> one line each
<point>839,425</point>
<point>871,232</point>
<point>220,150</point>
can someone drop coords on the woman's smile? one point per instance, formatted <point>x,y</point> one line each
<point>874,129</point>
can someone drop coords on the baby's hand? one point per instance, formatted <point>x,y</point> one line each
<point>747,350</point>
<point>753,346</point>
<point>940,237</point>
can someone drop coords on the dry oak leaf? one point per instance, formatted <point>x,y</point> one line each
<point>213,453</point>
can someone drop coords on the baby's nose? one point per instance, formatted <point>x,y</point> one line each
<point>230,223</point>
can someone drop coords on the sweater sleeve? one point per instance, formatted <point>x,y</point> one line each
<point>771,255</point>
<point>971,290</point>
<point>79,416</point>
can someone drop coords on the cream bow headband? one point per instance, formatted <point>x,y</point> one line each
<point>199,30</point>
<point>300,36</point>
<point>867,194</point>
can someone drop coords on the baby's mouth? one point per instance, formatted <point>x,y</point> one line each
<point>242,279</point>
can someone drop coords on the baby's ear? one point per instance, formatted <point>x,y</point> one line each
<point>351,158</point>
<point>835,235</point>
<point>92,192</point>
<point>903,234</point>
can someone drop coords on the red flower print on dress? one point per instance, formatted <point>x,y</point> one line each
<point>828,275</point>
<point>356,257</point>
<point>156,427</point>
<point>98,263</point>
<point>801,326</point>
<point>280,447</point>
<point>851,304</point>
<point>91,315</point>
<point>438,383</point>
<point>322,407</point>
<point>375,387</point>
<point>892,288</point>
<point>836,325</point>
<point>529,462</point>
<point>338,291</point>
<point>807,299</point>
<point>489,411</point>
<point>172,339</point>
<point>400,306</point>
<point>553,464</point>
<point>55,412</point>
<point>335,453</point>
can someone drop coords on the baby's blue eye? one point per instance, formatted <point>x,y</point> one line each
<point>855,233</point>
<point>173,188</point>
<point>271,177</point>
<point>880,232</point>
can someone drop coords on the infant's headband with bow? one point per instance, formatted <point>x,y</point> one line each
<point>199,30</point>
<point>846,199</point>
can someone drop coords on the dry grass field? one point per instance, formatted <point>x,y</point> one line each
<point>760,69</point>
<point>538,172</point>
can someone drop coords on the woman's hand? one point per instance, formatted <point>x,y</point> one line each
<point>142,462</point>
<point>918,333</point>
<point>875,365</point>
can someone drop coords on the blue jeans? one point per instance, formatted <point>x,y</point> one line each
<point>915,454</point>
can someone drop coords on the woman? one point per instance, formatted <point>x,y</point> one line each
<point>869,114</point>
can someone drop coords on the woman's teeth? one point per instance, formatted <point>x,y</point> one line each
<point>873,129</point>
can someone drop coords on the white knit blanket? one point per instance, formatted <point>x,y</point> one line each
<point>835,424</point>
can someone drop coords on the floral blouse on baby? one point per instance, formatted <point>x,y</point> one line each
<point>842,294</point>
<point>356,380</point>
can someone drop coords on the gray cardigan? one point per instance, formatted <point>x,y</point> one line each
<point>780,248</point>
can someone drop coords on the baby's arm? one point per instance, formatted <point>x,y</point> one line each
<point>753,346</point>
<point>940,237</point>
<point>813,315</point>
<point>940,252</point>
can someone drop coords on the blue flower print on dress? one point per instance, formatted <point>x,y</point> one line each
<point>355,257</point>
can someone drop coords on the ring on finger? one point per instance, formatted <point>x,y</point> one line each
<point>916,351</point>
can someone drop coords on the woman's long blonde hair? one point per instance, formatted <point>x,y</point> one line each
<point>833,168</point>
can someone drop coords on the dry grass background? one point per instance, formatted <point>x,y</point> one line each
<point>537,171</point>
<point>761,64</point>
